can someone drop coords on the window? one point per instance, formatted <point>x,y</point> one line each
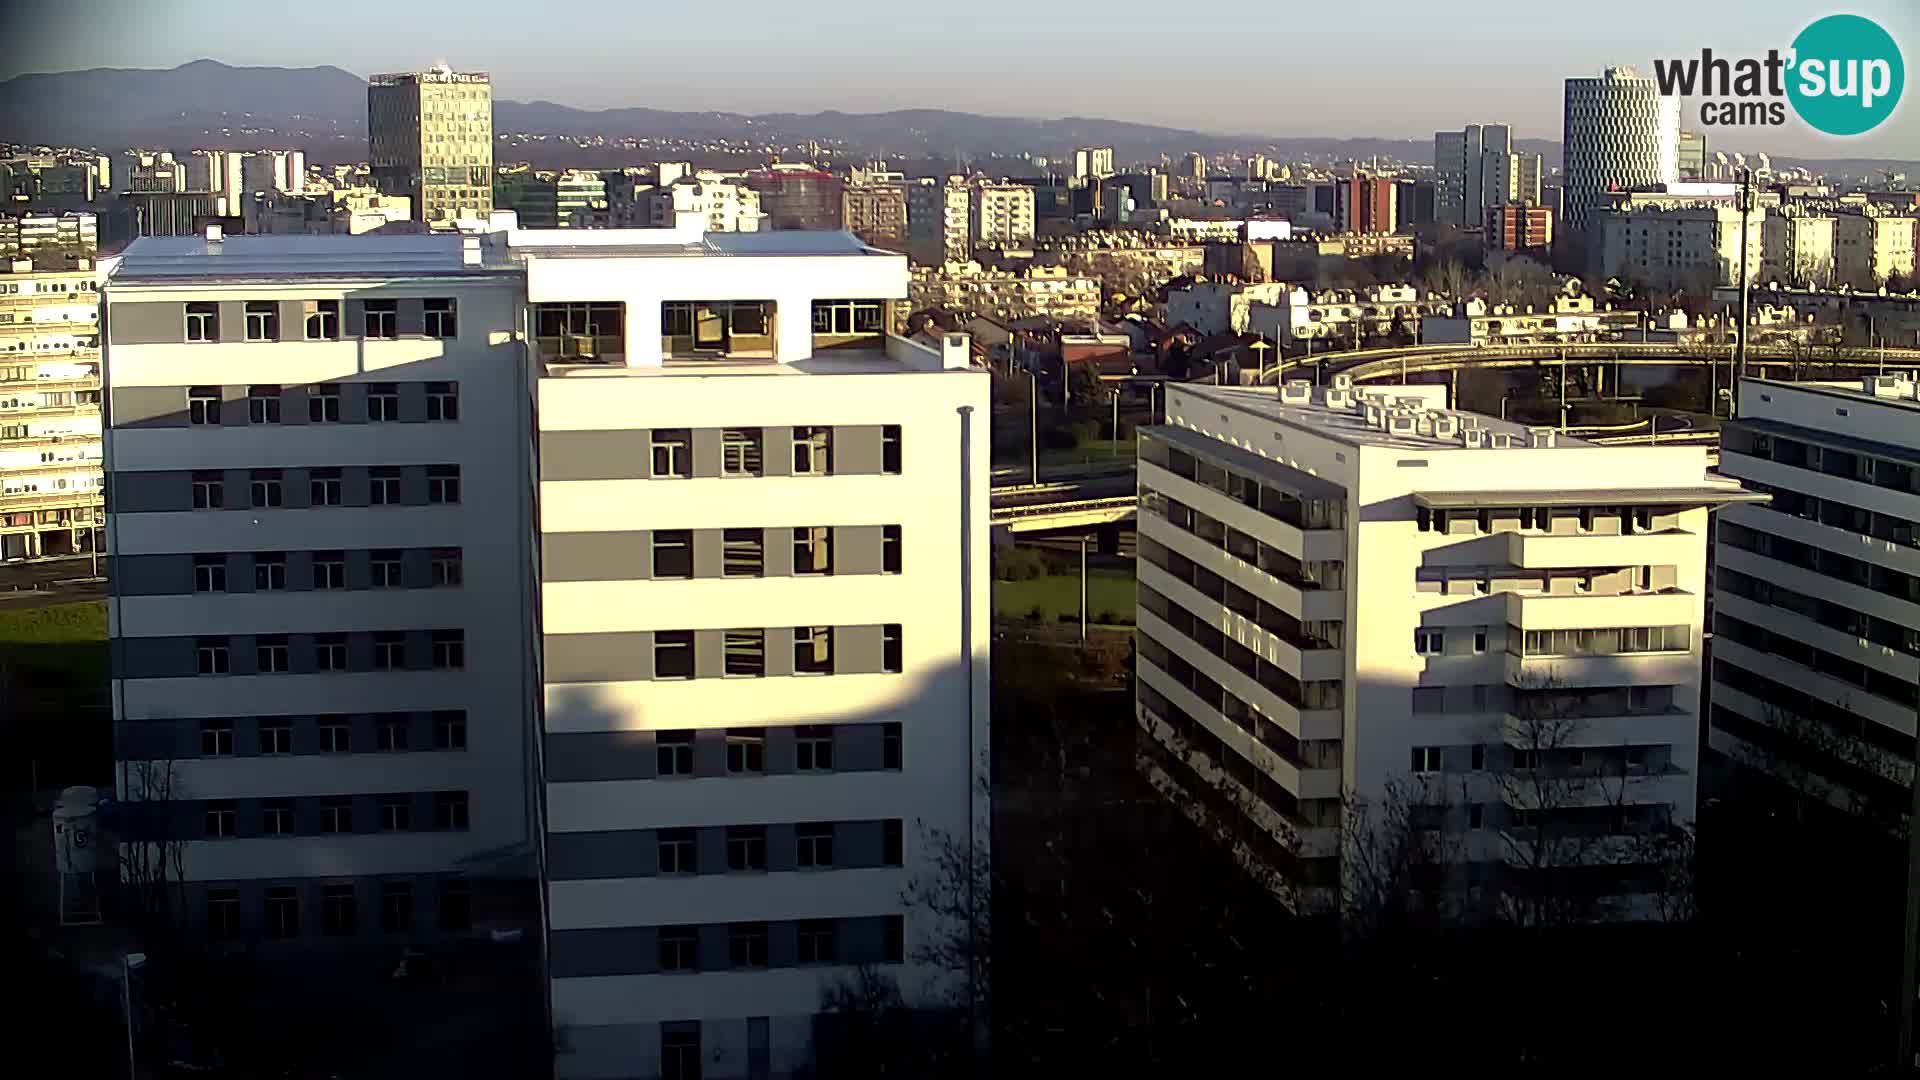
<point>1479,757</point>
<point>813,748</point>
<point>1476,816</point>
<point>336,816</point>
<point>209,573</point>
<point>324,487</point>
<point>383,485</point>
<point>323,321</point>
<point>817,943</point>
<point>223,914</point>
<point>222,820</point>
<point>389,650</point>
<point>890,549</point>
<point>203,322</point>
<point>673,654</point>
<point>672,452</point>
<point>391,731</point>
<point>890,648</point>
<point>816,846</point>
<point>384,569</point>
<point>450,729</point>
<point>276,736</point>
<point>812,451</point>
<point>893,935</point>
<point>329,569</point>
<point>1638,757</point>
<point>450,811</point>
<point>382,319</point>
<point>263,404</point>
<point>338,914</point>
<point>269,571</point>
<point>743,552</point>
<point>456,906</point>
<point>383,403</point>
<point>210,655</point>
<point>1480,640</point>
<point>449,650</point>
<point>1429,642</point>
<point>323,404</point>
<point>441,322</point>
<point>678,853</point>
<point>283,912</point>
<point>747,945</point>
<point>1526,759</point>
<point>746,653</point>
<point>1426,759</point>
<point>276,818</point>
<point>209,490</point>
<point>680,951</point>
<point>336,735</point>
<point>893,842</point>
<point>443,401</point>
<point>445,569</point>
<point>746,847</point>
<point>672,553</point>
<point>813,550</point>
<point>265,489</point>
<point>813,650</point>
<point>396,907</point>
<point>263,321</point>
<point>740,452</point>
<point>892,750</point>
<point>845,317</point>
<point>216,738</point>
<point>890,449</point>
<point>203,405</point>
<point>673,753</point>
<point>443,484</point>
<point>746,751</point>
<point>396,813</point>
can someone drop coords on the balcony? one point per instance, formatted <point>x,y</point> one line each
<point>85,408</point>
<point>89,381</point>
<point>48,500</point>
<point>88,466</point>
<point>1574,551</point>
<point>1677,668</point>
<point>1540,611</point>
<point>581,349</point>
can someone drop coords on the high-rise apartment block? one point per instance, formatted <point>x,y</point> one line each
<point>1002,216</point>
<point>1092,163</point>
<point>430,138</point>
<point>1531,625</point>
<point>1797,248</point>
<point>283,171</point>
<point>48,235</point>
<point>798,197</point>
<point>1476,169</point>
<point>1522,228</point>
<point>50,493</point>
<point>640,563</point>
<point>1691,158</point>
<point>939,220</point>
<point>1675,242</point>
<point>876,212</point>
<point>724,203</point>
<point>1817,593</point>
<point>221,172</point>
<point>1365,203</point>
<point>1620,133</point>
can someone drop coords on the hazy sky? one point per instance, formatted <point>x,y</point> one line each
<point>1397,68</point>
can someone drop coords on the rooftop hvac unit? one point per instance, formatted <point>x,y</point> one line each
<point>1887,386</point>
<point>1540,438</point>
<point>1500,440</point>
<point>1410,401</point>
<point>1445,426</point>
<point>1339,399</point>
<point>1473,438</point>
<point>1296,392</point>
<point>1372,413</point>
<point>1403,424</point>
<point>1343,382</point>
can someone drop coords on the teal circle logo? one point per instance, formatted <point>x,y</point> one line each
<point>1847,75</point>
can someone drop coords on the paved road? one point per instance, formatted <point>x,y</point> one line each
<point>54,581</point>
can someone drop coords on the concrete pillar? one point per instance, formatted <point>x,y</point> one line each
<point>643,331</point>
<point>793,328</point>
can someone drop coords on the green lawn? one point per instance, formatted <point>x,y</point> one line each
<point>1108,590</point>
<point>58,647</point>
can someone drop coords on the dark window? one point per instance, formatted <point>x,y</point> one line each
<point>673,753</point>
<point>450,650</point>
<point>746,750</point>
<point>678,852</point>
<point>276,818</point>
<point>382,319</point>
<point>263,404</point>
<point>389,650</point>
<point>445,568</point>
<point>813,650</point>
<point>209,490</point>
<point>276,736</point>
<point>210,655</point>
<point>396,813</point>
<point>323,404</point>
<point>894,939</point>
<point>323,322</point>
<point>443,401</point>
<point>672,553</point>
<point>223,914</point>
<point>222,819</point>
<point>329,569</point>
<point>673,654</point>
<point>216,738</point>
<point>450,729</point>
<point>203,405</point>
<point>336,735</point>
<point>383,485</point>
<point>818,942</point>
<point>265,489</point>
<point>283,912</point>
<point>892,753</point>
<point>396,907</point>
<point>812,451</point>
<point>813,748</point>
<point>391,730</point>
<point>456,906</point>
<point>679,1042</point>
<point>743,552</point>
<point>893,842</point>
<point>269,571</point>
<point>890,449</point>
<point>325,487</point>
<point>450,811</point>
<point>747,847</point>
<point>339,913</point>
<point>263,321</point>
<point>672,452</point>
<point>890,647</point>
<point>441,321</point>
<point>740,452</point>
<point>890,549</point>
<point>383,402</point>
<point>203,322</point>
<point>746,653</point>
<point>209,573</point>
<point>816,846</point>
<point>443,483</point>
<point>383,569</point>
<point>679,950</point>
<point>813,550</point>
<point>747,945</point>
<point>336,816</point>
<point>271,655</point>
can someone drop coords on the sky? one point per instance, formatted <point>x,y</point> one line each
<point>1388,68</point>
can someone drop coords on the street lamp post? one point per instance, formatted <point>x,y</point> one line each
<point>1033,423</point>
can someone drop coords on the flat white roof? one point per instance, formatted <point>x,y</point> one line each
<point>1349,425</point>
<point>269,257</point>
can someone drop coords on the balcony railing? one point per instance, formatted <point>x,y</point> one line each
<point>582,349</point>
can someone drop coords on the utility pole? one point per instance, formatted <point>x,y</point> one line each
<point>1033,424</point>
<point>1746,212</point>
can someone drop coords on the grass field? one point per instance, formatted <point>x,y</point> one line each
<point>60,646</point>
<point>1108,590</point>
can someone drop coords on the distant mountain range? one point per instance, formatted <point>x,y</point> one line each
<point>324,109</point>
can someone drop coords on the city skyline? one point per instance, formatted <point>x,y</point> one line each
<point>797,71</point>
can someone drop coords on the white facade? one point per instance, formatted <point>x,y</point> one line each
<point>939,220</point>
<point>1679,247</point>
<point>50,479</point>
<point>725,205</point>
<point>1502,572</point>
<point>1798,250</point>
<point>1002,216</point>
<point>1817,593</point>
<point>1868,248</point>
<point>1620,133</point>
<point>1213,307</point>
<point>1294,314</point>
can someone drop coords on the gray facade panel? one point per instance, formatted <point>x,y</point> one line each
<point>594,455</point>
<point>599,657</point>
<point>856,450</point>
<point>708,649</point>
<point>240,571</point>
<point>857,650</point>
<point>783,944</point>
<point>293,404</point>
<point>599,755</point>
<point>706,452</point>
<point>413,485</point>
<point>297,487</point>
<point>293,320</point>
<point>778,548</point>
<point>782,847</point>
<point>857,549</point>
<point>153,575</point>
<point>863,941</point>
<point>413,402</point>
<point>233,320</point>
<point>780,750</point>
<point>146,323</point>
<point>587,856</point>
<point>155,658</point>
<point>410,317</point>
<point>859,845</point>
<point>613,951</point>
<point>152,492</point>
<point>777,450</point>
<point>611,556</point>
<point>710,846</point>
<point>779,650</point>
<point>710,753</point>
<point>144,740</point>
<point>858,747</point>
<point>353,402</point>
<point>233,406</point>
<point>709,553</point>
<point>147,407</point>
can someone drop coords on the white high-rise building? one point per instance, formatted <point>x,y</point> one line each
<point>1002,216</point>
<point>724,203</point>
<point>939,220</point>
<point>1817,593</point>
<point>1619,133</point>
<point>1507,618</point>
<point>707,640</point>
<point>50,480</point>
<point>1092,163</point>
<point>1678,244</point>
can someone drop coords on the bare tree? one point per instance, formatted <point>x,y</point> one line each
<point>956,890</point>
<point>1402,857</point>
<point>151,853</point>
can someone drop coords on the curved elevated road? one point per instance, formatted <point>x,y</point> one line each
<point>1371,364</point>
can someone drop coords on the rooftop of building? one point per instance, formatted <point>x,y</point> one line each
<point>1897,390</point>
<point>1344,417</point>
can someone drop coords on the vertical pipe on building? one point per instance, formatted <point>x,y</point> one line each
<point>966,649</point>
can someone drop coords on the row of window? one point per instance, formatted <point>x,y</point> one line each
<point>1301,512</point>
<point>1899,689</point>
<point>1832,728</point>
<point>1858,572</point>
<point>1432,640</point>
<point>339,910</point>
<point>266,488</point>
<point>1839,515</point>
<point>392,813</point>
<point>1324,574</point>
<point>1557,703</point>
<point>1565,761</point>
<point>1631,519</point>
<point>743,451</point>
<point>818,943</point>
<point>744,652</point>
<point>678,850</point>
<point>1848,620</point>
<point>1191,735</point>
<point>378,319</point>
<point>392,732</point>
<point>1301,634</point>
<point>205,404</point>
<point>1604,641</point>
<point>743,551</point>
<point>747,750</point>
<point>1831,461</point>
<point>273,656</point>
<point>1316,694</point>
<point>445,569</point>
